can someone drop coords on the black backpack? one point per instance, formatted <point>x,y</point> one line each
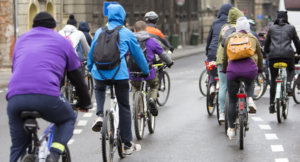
<point>228,30</point>
<point>106,52</point>
<point>132,65</point>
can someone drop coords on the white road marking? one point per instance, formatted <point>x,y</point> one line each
<point>277,148</point>
<point>271,136</point>
<point>82,123</point>
<point>87,114</point>
<point>77,131</point>
<point>93,109</point>
<point>1,91</point>
<point>95,104</point>
<point>282,160</point>
<point>257,119</point>
<point>71,141</point>
<point>264,127</point>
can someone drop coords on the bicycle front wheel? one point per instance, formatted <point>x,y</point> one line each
<point>218,109</point>
<point>107,137</point>
<point>66,156</point>
<point>164,89</point>
<point>210,109</point>
<point>260,86</point>
<point>139,115</point>
<point>296,93</point>
<point>203,82</point>
<point>151,122</point>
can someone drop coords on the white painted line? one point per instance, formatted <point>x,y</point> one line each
<point>82,123</point>
<point>271,136</point>
<point>257,119</point>
<point>282,160</point>
<point>77,131</point>
<point>277,148</point>
<point>1,91</point>
<point>87,114</point>
<point>264,127</point>
<point>71,141</point>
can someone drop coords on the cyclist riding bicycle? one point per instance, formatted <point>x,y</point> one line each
<point>152,47</point>
<point>281,34</point>
<point>127,42</point>
<point>40,57</point>
<point>247,68</point>
<point>151,20</point>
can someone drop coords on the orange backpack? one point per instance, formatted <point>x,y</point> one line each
<point>239,48</point>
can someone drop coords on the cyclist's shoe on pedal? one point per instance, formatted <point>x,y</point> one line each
<point>230,134</point>
<point>222,117</point>
<point>153,107</point>
<point>98,124</point>
<point>51,158</point>
<point>134,147</point>
<point>212,90</point>
<point>252,106</point>
<point>272,109</point>
<point>289,90</point>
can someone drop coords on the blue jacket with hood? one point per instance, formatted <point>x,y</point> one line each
<point>85,28</point>
<point>213,36</point>
<point>128,42</point>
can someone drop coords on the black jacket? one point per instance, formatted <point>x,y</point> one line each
<point>213,36</point>
<point>279,40</point>
<point>85,28</point>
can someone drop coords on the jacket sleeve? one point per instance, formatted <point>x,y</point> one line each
<point>296,41</point>
<point>268,42</point>
<point>263,53</point>
<point>88,38</point>
<point>208,40</point>
<point>137,53</point>
<point>90,60</point>
<point>260,62</point>
<point>84,44</point>
<point>225,57</point>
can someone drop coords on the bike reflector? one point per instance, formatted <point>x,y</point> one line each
<point>297,68</point>
<point>216,79</point>
<point>278,81</point>
<point>241,95</point>
<point>241,105</point>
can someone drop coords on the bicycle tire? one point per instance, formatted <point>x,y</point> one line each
<point>202,90</point>
<point>151,122</point>
<point>107,139</point>
<point>242,131</point>
<point>279,108</point>
<point>28,158</point>
<point>165,79</point>
<point>226,111</point>
<point>296,94</point>
<point>120,147</point>
<point>210,109</point>
<point>286,108</point>
<point>138,115</point>
<point>218,109</point>
<point>90,85</point>
<point>66,155</point>
<point>261,83</point>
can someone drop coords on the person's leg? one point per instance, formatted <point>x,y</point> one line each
<point>135,87</point>
<point>222,89</point>
<point>290,74</point>
<point>274,74</point>
<point>233,88</point>
<point>153,84</point>
<point>100,90</point>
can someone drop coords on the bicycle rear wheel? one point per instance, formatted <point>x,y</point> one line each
<point>164,91</point>
<point>107,137</point>
<point>260,86</point>
<point>66,156</point>
<point>218,109</point>
<point>203,82</point>
<point>139,115</point>
<point>120,147</point>
<point>279,108</point>
<point>28,158</point>
<point>90,84</point>
<point>242,131</point>
<point>296,93</point>
<point>226,112</point>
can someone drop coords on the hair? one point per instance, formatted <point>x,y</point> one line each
<point>152,21</point>
<point>278,21</point>
<point>140,25</point>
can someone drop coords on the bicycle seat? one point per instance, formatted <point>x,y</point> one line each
<point>30,114</point>
<point>243,80</point>
<point>280,65</point>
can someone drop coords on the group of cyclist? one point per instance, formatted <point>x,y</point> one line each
<point>42,57</point>
<point>277,45</point>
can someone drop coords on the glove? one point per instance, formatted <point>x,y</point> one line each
<point>172,49</point>
<point>259,71</point>
<point>145,75</point>
<point>169,66</point>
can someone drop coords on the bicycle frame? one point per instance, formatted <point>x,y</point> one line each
<point>280,82</point>
<point>49,131</point>
<point>143,89</point>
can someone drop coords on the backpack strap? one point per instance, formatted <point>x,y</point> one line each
<point>66,33</point>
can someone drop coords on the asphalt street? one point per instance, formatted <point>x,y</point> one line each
<point>184,131</point>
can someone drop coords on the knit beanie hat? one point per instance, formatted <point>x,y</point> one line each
<point>242,24</point>
<point>72,21</point>
<point>44,19</point>
<point>282,15</point>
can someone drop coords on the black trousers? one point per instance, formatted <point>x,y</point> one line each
<point>274,73</point>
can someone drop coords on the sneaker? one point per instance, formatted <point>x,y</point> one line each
<point>212,90</point>
<point>98,124</point>
<point>153,107</point>
<point>134,147</point>
<point>222,117</point>
<point>252,106</point>
<point>51,158</point>
<point>230,134</point>
<point>272,109</point>
<point>289,89</point>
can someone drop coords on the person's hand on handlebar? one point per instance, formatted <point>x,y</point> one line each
<point>169,66</point>
<point>145,75</point>
<point>172,49</point>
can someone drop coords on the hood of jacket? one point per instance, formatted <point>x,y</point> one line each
<point>234,14</point>
<point>224,10</point>
<point>116,13</point>
<point>70,28</point>
<point>84,26</point>
<point>142,35</point>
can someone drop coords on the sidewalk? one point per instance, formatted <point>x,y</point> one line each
<point>178,53</point>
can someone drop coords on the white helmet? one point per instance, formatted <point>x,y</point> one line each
<point>151,16</point>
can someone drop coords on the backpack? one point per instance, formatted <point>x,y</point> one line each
<point>227,30</point>
<point>239,47</point>
<point>80,52</point>
<point>106,52</point>
<point>68,37</point>
<point>132,65</point>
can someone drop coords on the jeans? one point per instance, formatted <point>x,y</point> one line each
<point>222,89</point>
<point>121,88</point>
<point>233,88</point>
<point>53,109</point>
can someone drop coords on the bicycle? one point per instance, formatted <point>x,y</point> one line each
<point>281,98</point>
<point>210,110</point>
<point>260,86</point>
<point>110,133</point>
<point>141,112</point>
<point>68,90</point>
<point>164,84</point>
<point>36,148</point>
<point>296,85</point>
<point>89,79</point>
<point>203,82</point>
